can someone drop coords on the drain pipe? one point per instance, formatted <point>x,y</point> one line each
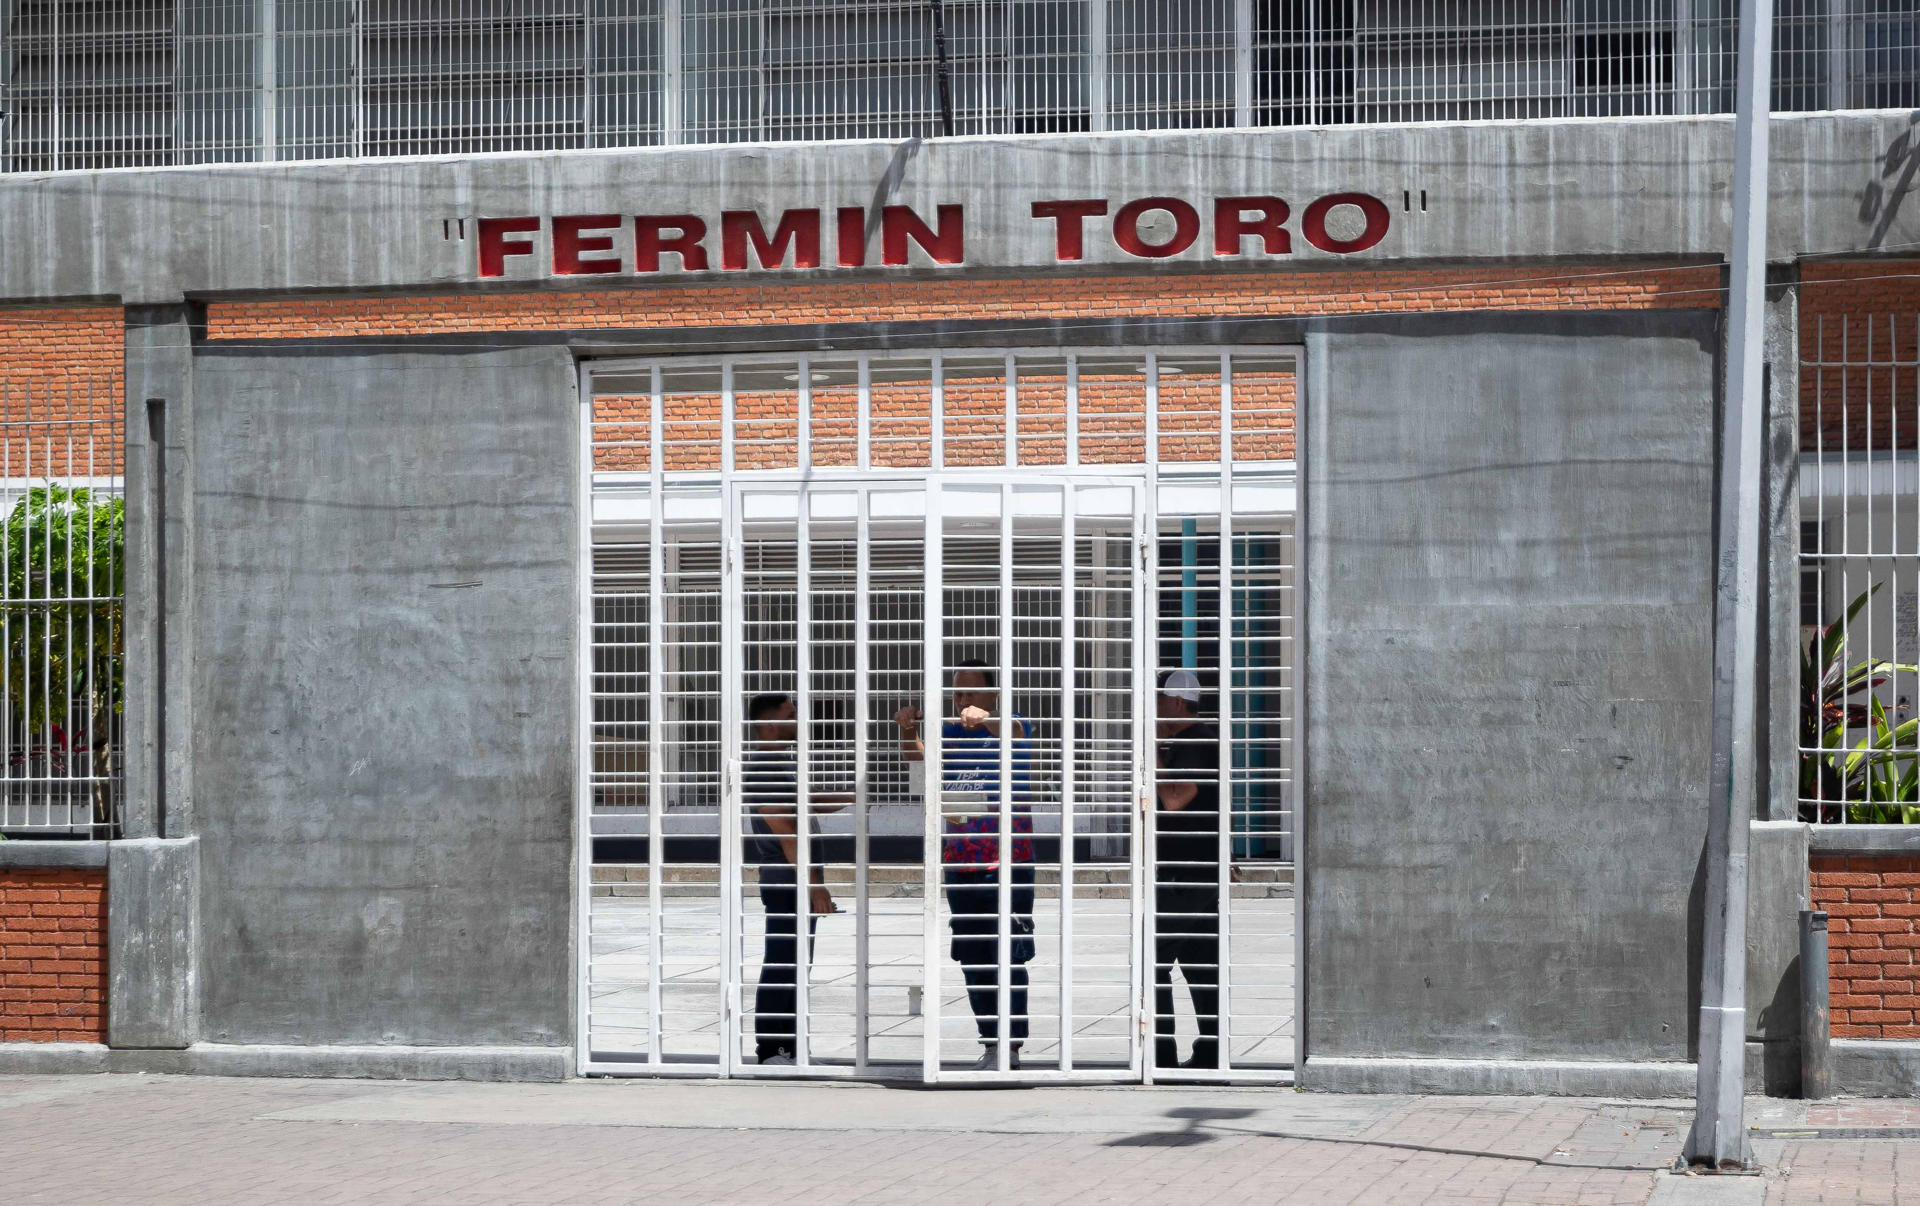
<point>1816,1034</point>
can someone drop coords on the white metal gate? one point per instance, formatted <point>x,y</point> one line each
<point>719,601</point>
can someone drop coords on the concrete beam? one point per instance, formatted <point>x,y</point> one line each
<point>153,911</point>
<point>1649,187</point>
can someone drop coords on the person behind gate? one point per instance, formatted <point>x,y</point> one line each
<point>770,790</point>
<point>971,851</point>
<point>1187,865</point>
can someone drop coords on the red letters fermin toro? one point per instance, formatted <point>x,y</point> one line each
<point>1146,228</point>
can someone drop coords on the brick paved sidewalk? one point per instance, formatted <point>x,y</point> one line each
<point>1835,1166</point>
<point>143,1139</point>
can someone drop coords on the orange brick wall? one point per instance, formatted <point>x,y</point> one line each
<point>1559,287</point>
<point>53,959</point>
<point>974,421</point>
<point>1873,906</point>
<point>61,371</point>
<point>1853,312</point>
<point>1112,404</point>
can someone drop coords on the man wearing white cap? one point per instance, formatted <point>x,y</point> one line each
<point>1187,871</point>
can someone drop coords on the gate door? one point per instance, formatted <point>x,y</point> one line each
<point>1036,615</point>
<point>1032,914</point>
<point>826,582</point>
<point>942,774</point>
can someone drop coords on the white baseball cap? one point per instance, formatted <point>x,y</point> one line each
<point>1182,684</point>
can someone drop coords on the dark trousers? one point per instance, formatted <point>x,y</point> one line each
<point>775,1000</point>
<point>973,896</point>
<point>1187,935</point>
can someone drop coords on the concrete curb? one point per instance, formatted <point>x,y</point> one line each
<point>1864,839</point>
<point>54,1059</point>
<point>53,855</point>
<point>235,1059</point>
<point>1497,1077</point>
<point>1876,1068</point>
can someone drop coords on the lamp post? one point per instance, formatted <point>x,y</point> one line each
<point>1718,1139</point>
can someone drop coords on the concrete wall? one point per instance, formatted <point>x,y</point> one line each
<point>1645,187</point>
<point>1509,632</point>
<point>384,625</point>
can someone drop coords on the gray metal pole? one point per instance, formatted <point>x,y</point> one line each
<point>269,16</point>
<point>1816,1035</point>
<point>1684,83</point>
<point>1839,56</point>
<point>1718,1138</point>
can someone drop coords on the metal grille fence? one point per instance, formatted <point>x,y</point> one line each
<point>128,83</point>
<point>1860,570</point>
<point>843,535</point>
<point>62,575</point>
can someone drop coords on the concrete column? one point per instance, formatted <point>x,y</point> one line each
<point>1776,797</point>
<point>153,892</point>
<point>1776,892</point>
<point>159,425</point>
<point>153,939</point>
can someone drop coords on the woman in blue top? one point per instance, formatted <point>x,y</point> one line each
<point>970,849</point>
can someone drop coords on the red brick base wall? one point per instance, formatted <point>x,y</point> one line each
<point>1873,906</point>
<point>53,957</point>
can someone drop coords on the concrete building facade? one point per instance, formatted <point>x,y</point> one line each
<point>388,425</point>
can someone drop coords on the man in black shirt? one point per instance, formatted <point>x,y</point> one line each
<point>770,790</point>
<point>1187,866</point>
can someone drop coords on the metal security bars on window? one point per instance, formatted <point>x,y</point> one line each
<point>62,574</point>
<point>92,85</point>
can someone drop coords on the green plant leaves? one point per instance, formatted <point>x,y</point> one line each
<point>1877,778</point>
<point>62,630</point>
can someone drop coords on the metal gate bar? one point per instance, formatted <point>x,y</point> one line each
<point>1146,733</point>
<point>803,776</point>
<point>1069,761</point>
<point>1003,1050</point>
<point>862,838</point>
<point>933,622</point>
<point>656,721</point>
<point>732,721</point>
